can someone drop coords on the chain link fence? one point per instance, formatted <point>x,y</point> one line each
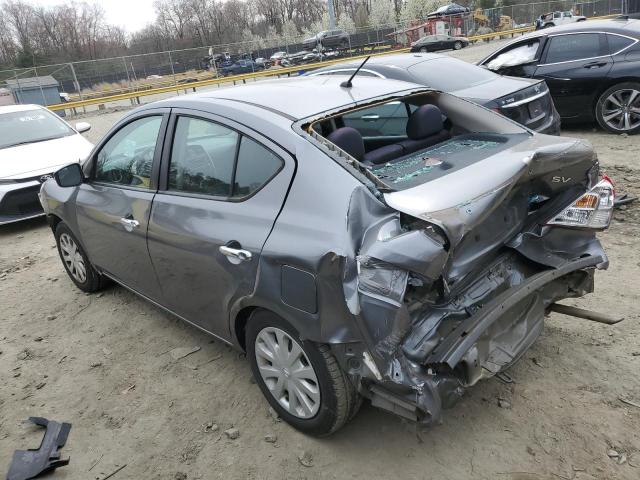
<point>128,74</point>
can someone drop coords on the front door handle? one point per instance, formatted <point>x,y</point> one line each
<point>129,224</point>
<point>235,255</point>
<point>370,118</point>
<point>595,65</point>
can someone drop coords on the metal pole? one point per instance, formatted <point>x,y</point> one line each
<point>15,96</point>
<point>124,62</point>
<point>44,99</point>
<point>332,15</point>
<point>77,84</point>
<point>173,72</point>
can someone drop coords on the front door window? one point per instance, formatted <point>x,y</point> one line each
<point>127,158</point>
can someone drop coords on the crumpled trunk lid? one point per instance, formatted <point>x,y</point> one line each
<point>483,206</point>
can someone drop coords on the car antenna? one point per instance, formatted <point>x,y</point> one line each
<point>348,83</point>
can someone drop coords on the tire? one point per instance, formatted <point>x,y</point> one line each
<point>423,50</point>
<point>622,118</point>
<point>548,25</point>
<point>335,399</point>
<point>457,45</point>
<point>75,261</point>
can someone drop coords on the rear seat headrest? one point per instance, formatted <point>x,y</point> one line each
<point>424,122</point>
<point>349,140</point>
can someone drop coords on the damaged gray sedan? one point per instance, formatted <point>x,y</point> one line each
<point>400,264</point>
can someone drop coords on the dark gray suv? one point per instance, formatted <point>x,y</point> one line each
<point>401,266</point>
<point>326,40</point>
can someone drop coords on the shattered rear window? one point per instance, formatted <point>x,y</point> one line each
<point>434,162</point>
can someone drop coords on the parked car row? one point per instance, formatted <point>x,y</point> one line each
<point>304,56</point>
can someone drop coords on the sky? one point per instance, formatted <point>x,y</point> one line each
<point>132,15</point>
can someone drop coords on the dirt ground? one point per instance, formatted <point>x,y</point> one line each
<point>105,363</point>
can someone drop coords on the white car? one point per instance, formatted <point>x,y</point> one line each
<point>34,143</point>
<point>278,56</point>
<point>553,19</point>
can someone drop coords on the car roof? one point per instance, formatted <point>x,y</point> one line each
<point>617,25</point>
<point>398,60</point>
<point>19,108</point>
<point>300,97</point>
<point>387,64</point>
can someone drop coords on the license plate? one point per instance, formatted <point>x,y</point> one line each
<point>535,109</point>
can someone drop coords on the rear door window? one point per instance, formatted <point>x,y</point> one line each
<point>208,158</point>
<point>579,46</point>
<point>256,166</point>
<point>202,157</point>
<point>618,43</point>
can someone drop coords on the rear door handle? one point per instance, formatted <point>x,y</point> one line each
<point>595,65</point>
<point>370,118</point>
<point>129,224</point>
<point>235,255</point>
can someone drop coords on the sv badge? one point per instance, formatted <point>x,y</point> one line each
<point>560,179</point>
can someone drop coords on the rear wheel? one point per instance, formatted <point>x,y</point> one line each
<point>618,108</point>
<point>301,380</point>
<point>75,261</point>
<point>457,45</point>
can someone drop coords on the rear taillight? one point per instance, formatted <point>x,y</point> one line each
<point>594,209</point>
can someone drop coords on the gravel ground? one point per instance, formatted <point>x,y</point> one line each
<point>104,363</point>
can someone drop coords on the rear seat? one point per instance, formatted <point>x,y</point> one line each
<point>425,128</point>
<point>350,140</point>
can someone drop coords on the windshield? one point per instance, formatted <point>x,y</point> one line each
<point>29,126</point>
<point>449,74</point>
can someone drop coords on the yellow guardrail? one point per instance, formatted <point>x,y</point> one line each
<point>272,72</point>
<point>513,31</point>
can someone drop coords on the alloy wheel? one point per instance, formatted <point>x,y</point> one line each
<point>287,372</point>
<point>621,109</point>
<point>72,258</point>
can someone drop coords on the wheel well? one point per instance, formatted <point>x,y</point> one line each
<point>53,222</point>
<point>241,323</point>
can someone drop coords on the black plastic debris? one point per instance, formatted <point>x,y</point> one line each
<point>28,464</point>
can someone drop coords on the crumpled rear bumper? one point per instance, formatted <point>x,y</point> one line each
<point>446,351</point>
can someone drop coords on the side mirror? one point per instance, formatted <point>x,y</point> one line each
<point>82,127</point>
<point>69,176</point>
